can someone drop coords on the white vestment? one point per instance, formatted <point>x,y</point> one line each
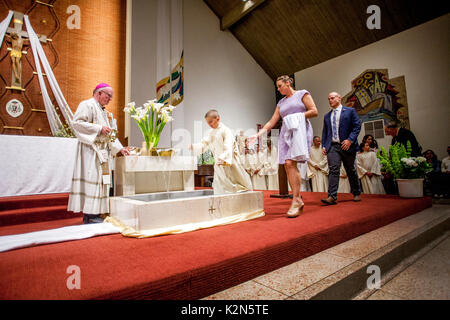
<point>240,140</point>
<point>246,160</point>
<point>445,164</point>
<point>230,177</point>
<point>258,174</point>
<point>252,166</point>
<point>304,179</point>
<point>90,190</point>
<point>344,183</point>
<point>368,162</point>
<point>319,178</point>
<point>271,169</point>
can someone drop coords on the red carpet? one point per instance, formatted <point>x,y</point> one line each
<point>196,264</point>
<point>34,208</point>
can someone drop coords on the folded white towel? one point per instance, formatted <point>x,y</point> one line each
<point>295,136</point>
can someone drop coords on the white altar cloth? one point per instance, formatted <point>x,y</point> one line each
<point>36,165</point>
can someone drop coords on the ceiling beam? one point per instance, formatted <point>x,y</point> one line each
<point>238,12</point>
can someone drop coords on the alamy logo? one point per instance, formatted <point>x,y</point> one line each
<point>374,20</point>
<point>74,280</point>
<point>73,21</point>
<point>374,281</point>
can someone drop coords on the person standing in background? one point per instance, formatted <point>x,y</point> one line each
<point>318,167</point>
<point>403,135</point>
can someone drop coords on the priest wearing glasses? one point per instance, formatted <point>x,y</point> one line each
<point>97,146</point>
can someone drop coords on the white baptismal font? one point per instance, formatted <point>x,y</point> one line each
<point>154,195</point>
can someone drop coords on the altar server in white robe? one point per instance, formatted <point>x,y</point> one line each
<point>344,183</point>
<point>240,140</point>
<point>258,177</point>
<point>248,162</point>
<point>229,173</point>
<point>242,153</point>
<point>369,171</point>
<point>254,167</point>
<point>304,183</point>
<point>271,166</point>
<point>92,173</point>
<point>318,167</point>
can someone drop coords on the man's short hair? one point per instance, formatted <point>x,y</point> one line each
<point>337,94</point>
<point>212,114</point>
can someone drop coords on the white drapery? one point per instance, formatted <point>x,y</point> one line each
<point>70,233</point>
<point>39,57</point>
<point>4,26</point>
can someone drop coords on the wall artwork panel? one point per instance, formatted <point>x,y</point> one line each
<point>375,96</point>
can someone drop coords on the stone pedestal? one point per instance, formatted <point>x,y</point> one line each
<point>147,174</point>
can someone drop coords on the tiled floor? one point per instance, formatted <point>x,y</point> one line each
<point>426,278</point>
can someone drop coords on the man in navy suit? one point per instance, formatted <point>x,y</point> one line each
<point>341,127</point>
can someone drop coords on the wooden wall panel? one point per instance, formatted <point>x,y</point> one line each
<point>286,36</point>
<point>80,58</point>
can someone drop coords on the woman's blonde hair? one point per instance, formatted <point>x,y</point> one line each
<point>286,79</point>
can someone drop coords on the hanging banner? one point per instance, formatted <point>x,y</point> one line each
<point>169,59</point>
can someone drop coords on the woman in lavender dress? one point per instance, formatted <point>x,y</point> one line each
<point>294,102</point>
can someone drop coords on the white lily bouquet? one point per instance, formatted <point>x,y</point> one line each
<point>151,119</point>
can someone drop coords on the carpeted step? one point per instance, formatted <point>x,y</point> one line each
<point>39,226</point>
<point>33,201</point>
<point>35,214</point>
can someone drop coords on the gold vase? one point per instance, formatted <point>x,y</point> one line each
<point>161,153</point>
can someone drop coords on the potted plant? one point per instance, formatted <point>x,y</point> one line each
<point>205,163</point>
<point>205,168</point>
<point>409,172</point>
<point>205,158</point>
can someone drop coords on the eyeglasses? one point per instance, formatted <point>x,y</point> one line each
<point>109,95</point>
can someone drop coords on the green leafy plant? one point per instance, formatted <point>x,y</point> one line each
<point>64,132</point>
<point>399,163</point>
<point>205,158</point>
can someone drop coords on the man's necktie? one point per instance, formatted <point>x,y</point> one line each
<point>335,137</point>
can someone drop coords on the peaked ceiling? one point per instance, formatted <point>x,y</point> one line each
<point>286,36</point>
